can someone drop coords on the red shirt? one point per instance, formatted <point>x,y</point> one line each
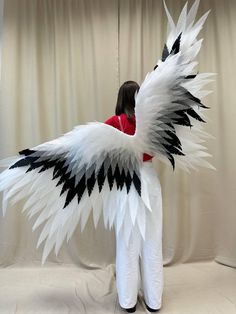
<point>128,127</point>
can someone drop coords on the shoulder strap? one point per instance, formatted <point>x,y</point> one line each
<point>121,126</point>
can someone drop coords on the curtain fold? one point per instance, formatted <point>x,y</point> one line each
<point>59,70</point>
<point>62,64</point>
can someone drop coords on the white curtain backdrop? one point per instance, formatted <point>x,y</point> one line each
<point>1,27</point>
<point>62,64</point>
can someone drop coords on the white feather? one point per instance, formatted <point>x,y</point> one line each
<point>133,205</point>
<point>192,14</point>
<point>97,205</point>
<point>85,149</point>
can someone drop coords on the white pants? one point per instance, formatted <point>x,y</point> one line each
<point>145,253</point>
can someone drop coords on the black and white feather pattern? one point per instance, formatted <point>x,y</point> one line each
<point>97,169</point>
<point>93,167</point>
<point>169,110</point>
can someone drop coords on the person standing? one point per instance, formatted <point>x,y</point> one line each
<point>148,251</point>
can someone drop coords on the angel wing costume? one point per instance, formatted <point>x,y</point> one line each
<point>97,169</point>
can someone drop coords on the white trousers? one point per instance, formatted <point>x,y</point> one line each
<point>140,264</point>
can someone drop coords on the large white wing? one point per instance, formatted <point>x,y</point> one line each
<point>97,167</point>
<point>169,111</point>
<point>91,167</point>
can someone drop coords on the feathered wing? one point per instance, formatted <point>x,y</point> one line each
<point>169,111</point>
<point>61,181</point>
<point>96,167</point>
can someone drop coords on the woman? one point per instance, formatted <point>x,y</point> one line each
<point>127,258</point>
<point>76,172</point>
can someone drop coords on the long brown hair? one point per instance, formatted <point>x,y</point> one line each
<point>125,99</point>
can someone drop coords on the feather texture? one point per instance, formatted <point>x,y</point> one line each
<point>97,170</point>
<point>169,110</point>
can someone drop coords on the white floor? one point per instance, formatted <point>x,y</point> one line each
<point>193,288</point>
